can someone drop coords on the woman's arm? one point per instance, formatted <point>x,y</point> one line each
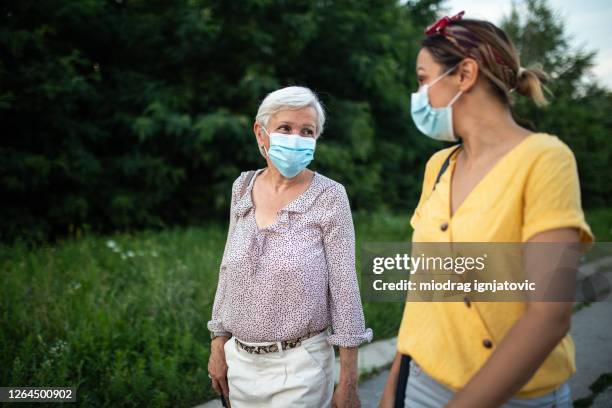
<point>215,325</point>
<point>339,246</point>
<point>387,399</point>
<point>525,347</point>
<point>346,394</point>
<point>217,366</point>
<point>345,301</point>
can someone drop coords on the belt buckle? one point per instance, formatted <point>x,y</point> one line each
<point>273,347</point>
<point>289,344</point>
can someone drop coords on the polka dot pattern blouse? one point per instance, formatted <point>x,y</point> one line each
<point>295,276</point>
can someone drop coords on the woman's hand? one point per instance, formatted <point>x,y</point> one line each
<point>217,366</point>
<point>346,395</point>
<point>387,399</point>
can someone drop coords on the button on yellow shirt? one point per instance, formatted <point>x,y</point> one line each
<point>532,188</point>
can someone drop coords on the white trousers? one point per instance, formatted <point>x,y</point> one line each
<point>299,377</point>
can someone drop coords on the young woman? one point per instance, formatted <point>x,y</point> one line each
<point>503,183</point>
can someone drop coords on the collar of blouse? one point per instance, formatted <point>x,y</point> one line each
<point>301,204</point>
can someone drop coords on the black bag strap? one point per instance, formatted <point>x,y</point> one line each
<point>404,371</point>
<point>445,165</point>
<point>402,381</point>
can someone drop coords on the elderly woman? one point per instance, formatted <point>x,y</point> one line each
<point>287,288</point>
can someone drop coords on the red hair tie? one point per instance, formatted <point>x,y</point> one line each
<point>440,25</point>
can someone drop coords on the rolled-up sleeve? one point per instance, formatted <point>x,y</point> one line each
<point>215,324</point>
<point>552,195</point>
<point>339,242</point>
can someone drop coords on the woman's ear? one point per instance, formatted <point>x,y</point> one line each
<point>468,74</point>
<point>259,132</point>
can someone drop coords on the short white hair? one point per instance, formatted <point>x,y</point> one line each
<point>290,98</point>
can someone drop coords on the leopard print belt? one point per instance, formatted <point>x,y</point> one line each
<point>273,348</point>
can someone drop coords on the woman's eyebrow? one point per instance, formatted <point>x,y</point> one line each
<point>286,122</point>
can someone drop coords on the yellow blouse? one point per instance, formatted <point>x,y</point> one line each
<point>533,188</point>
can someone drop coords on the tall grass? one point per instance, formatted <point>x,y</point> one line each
<point>122,318</point>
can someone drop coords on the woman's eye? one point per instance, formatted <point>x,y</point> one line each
<point>308,132</point>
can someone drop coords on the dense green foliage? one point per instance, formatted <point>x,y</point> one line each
<point>126,114</point>
<point>129,113</point>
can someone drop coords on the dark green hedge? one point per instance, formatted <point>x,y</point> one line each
<point>127,114</point>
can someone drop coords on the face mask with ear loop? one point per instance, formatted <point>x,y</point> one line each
<point>436,123</point>
<point>290,154</point>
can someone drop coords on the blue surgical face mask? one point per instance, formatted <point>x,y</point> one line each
<point>290,154</point>
<point>436,123</point>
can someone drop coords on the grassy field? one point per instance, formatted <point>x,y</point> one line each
<point>123,317</point>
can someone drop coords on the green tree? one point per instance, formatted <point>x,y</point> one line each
<point>129,114</point>
<point>579,110</point>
